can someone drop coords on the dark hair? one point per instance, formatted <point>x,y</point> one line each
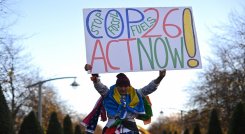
<point>122,80</point>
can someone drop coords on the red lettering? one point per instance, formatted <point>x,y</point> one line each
<point>165,25</point>
<point>107,55</point>
<point>129,51</point>
<point>146,34</point>
<point>98,43</point>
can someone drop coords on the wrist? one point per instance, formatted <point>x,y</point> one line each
<point>158,80</point>
<point>94,77</point>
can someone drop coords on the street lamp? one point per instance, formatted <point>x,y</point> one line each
<point>39,84</point>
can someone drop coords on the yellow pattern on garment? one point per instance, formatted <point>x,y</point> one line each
<point>133,95</point>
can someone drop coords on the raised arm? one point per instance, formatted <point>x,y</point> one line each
<point>162,74</point>
<point>94,77</point>
<point>100,87</point>
<point>152,86</point>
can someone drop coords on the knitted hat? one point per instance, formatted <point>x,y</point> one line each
<point>122,80</point>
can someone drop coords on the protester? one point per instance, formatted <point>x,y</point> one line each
<point>122,104</point>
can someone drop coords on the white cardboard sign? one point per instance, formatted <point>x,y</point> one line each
<point>140,39</point>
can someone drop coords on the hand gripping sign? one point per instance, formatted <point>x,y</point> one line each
<point>140,39</point>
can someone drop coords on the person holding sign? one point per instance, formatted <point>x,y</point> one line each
<point>122,104</point>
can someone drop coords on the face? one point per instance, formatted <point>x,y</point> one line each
<point>122,90</point>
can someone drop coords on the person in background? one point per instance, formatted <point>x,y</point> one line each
<point>123,103</point>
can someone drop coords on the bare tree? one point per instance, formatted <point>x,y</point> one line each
<point>15,74</point>
<point>222,84</point>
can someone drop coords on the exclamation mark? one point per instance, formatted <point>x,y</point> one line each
<point>189,38</point>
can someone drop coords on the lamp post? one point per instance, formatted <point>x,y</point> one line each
<point>39,84</point>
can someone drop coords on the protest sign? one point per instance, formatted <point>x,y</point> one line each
<point>140,39</point>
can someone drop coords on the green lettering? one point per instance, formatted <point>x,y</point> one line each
<point>149,57</point>
<point>176,55</point>
<point>166,52</point>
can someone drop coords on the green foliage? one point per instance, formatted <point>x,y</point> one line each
<point>196,129</point>
<point>78,130</point>
<point>30,125</point>
<point>67,125</point>
<point>214,124</point>
<point>237,123</point>
<point>54,126</point>
<point>6,126</point>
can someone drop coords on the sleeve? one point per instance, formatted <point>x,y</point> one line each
<point>101,88</point>
<point>148,89</point>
